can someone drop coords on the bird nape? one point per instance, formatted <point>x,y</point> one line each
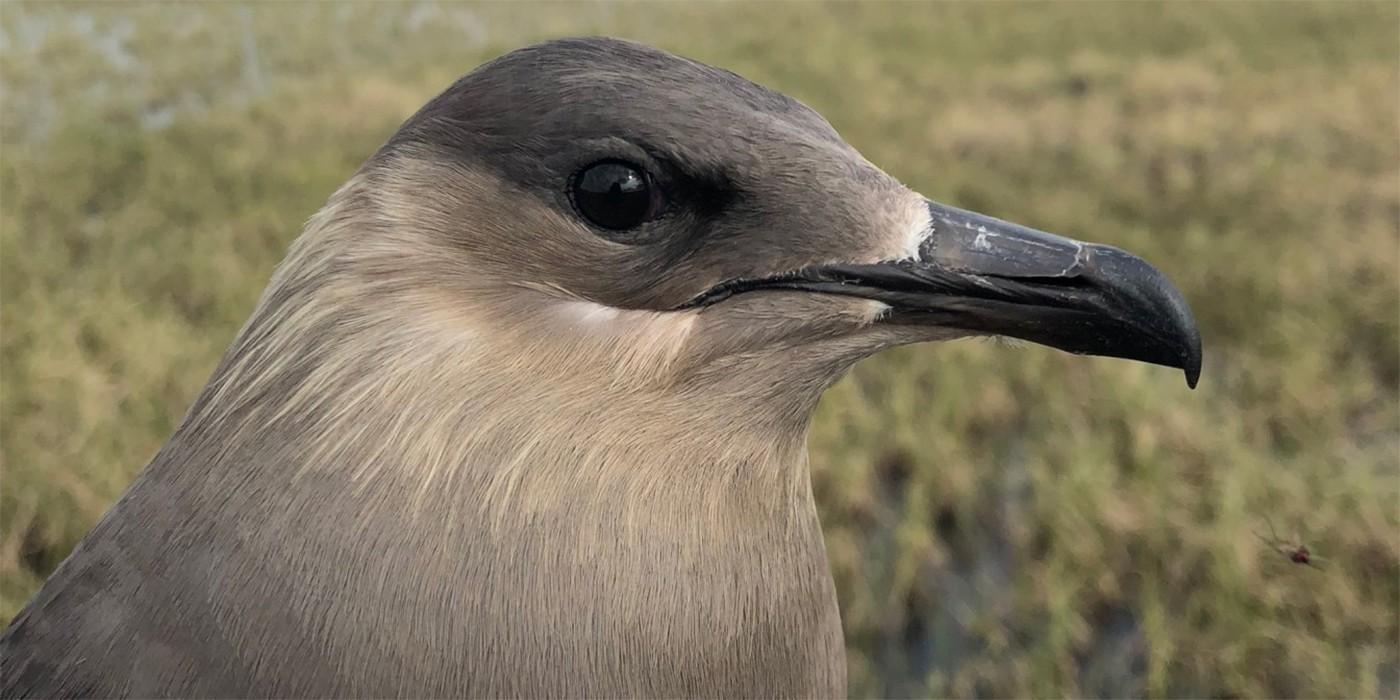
<point>523,411</point>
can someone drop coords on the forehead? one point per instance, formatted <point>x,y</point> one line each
<point>595,88</point>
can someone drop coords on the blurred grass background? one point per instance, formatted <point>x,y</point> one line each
<point>1001,521</point>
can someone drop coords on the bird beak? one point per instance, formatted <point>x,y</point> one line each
<point>988,276</point>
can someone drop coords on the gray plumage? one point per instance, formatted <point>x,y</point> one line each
<point>469,444</point>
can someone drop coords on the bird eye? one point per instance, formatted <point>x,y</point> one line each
<point>614,195</point>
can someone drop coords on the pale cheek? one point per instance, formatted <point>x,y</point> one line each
<point>614,330</point>
<point>588,313</point>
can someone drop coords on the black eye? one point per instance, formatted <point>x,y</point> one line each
<point>614,195</point>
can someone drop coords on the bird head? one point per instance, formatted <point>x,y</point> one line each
<point>598,209</point>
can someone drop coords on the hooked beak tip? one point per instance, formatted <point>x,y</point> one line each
<point>1191,361</point>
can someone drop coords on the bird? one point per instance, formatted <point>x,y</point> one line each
<point>523,410</point>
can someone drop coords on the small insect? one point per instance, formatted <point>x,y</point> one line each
<point>1296,553</point>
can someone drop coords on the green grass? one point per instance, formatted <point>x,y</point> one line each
<point>1002,521</point>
